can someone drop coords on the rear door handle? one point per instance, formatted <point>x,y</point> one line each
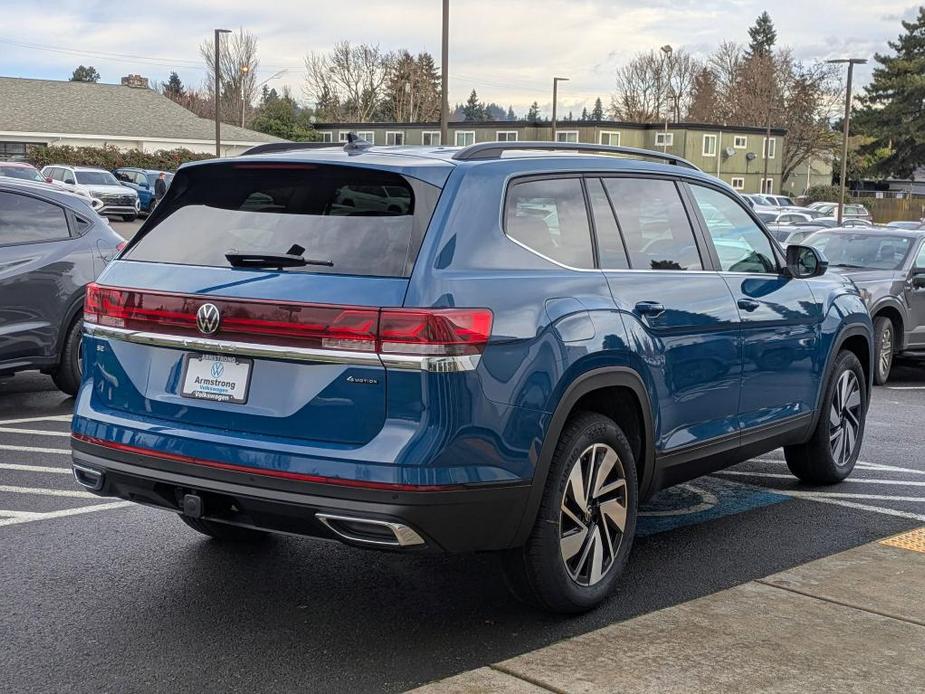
<point>653,309</point>
<point>748,304</point>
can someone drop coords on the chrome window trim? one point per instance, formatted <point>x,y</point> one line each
<point>435,364</point>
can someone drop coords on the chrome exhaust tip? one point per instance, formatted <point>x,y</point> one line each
<point>88,477</point>
<point>371,532</point>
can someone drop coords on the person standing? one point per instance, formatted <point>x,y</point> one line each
<point>160,188</point>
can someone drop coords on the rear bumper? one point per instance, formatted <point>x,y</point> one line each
<point>455,520</point>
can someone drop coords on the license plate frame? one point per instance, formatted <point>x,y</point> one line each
<point>203,365</point>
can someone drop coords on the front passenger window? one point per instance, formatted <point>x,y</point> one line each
<point>549,217</point>
<point>740,243</point>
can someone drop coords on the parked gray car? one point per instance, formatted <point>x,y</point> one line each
<point>888,266</point>
<point>52,244</point>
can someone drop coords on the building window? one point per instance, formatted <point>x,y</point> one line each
<point>663,139</point>
<point>342,135</point>
<point>770,147</point>
<point>368,135</point>
<point>738,183</point>
<point>394,138</point>
<point>740,142</point>
<point>506,136</point>
<point>610,138</point>
<point>709,145</point>
<point>567,136</point>
<point>464,138</point>
<point>430,138</point>
<point>15,151</point>
<point>767,185</point>
<point>327,137</point>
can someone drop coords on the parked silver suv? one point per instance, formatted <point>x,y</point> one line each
<point>117,200</point>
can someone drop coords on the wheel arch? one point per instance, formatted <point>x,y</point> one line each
<point>593,391</point>
<point>74,308</point>
<point>858,339</point>
<point>894,312</point>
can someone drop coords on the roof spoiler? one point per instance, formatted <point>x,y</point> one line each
<point>354,145</point>
<point>494,150</point>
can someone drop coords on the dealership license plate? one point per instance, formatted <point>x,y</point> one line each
<point>216,377</point>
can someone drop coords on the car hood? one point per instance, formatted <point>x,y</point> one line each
<point>117,190</point>
<point>865,277</point>
<point>875,285</point>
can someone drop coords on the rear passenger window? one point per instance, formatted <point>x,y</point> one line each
<point>656,230</point>
<point>740,243</point>
<point>27,220</point>
<point>609,245</point>
<point>549,217</point>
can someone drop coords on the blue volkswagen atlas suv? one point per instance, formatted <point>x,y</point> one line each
<point>509,355</point>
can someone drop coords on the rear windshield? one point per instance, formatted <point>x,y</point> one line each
<point>365,222</point>
<point>24,172</point>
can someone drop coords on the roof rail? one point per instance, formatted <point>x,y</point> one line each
<point>494,150</point>
<point>284,147</point>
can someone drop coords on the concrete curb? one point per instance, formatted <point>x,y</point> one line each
<point>851,622</point>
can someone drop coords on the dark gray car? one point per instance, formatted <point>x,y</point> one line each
<point>52,244</point>
<point>888,266</point>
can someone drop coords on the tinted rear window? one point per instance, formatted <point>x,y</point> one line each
<point>365,222</point>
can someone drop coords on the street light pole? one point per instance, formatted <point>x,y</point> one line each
<point>846,125</point>
<point>444,77</point>
<point>667,50</point>
<point>218,92</point>
<point>555,102</point>
<point>244,70</point>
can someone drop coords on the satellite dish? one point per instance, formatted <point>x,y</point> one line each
<point>750,156</point>
<point>729,151</point>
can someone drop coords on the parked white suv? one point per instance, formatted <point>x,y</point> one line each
<point>117,200</point>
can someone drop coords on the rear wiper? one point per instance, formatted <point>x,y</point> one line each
<point>262,259</point>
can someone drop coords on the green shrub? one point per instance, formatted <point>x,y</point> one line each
<point>109,157</point>
<point>822,194</point>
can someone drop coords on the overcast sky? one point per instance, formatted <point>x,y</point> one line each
<point>506,49</point>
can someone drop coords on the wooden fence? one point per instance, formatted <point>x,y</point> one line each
<point>891,209</point>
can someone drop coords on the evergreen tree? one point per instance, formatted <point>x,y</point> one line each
<point>174,90</point>
<point>892,106</point>
<point>473,110</point>
<point>597,113</point>
<point>281,115</point>
<point>704,103</point>
<point>761,36</point>
<point>510,113</point>
<point>85,74</point>
<point>584,114</point>
<point>533,114</point>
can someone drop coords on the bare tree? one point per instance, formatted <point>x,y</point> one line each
<point>655,86</point>
<point>347,83</point>
<point>238,72</point>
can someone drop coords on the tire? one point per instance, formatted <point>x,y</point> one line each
<point>66,375</point>
<point>568,563</point>
<point>225,532</point>
<point>884,349</point>
<point>831,453</point>
<point>129,217</point>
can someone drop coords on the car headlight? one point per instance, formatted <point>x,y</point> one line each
<point>96,203</point>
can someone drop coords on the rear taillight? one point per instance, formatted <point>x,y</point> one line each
<point>421,332</point>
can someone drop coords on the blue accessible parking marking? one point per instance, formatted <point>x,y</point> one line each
<point>699,501</point>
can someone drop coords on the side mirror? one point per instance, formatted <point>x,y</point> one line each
<point>918,278</point>
<point>49,179</point>
<point>805,261</point>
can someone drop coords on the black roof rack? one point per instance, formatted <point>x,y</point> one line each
<point>284,147</point>
<point>494,150</point>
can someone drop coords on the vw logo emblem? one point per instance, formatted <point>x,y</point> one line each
<point>208,318</point>
<point>218,369</point>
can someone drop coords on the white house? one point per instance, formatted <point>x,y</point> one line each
<point>127,116</point>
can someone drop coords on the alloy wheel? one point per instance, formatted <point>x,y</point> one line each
<point>886,351</point>
<point>593,514</point>
<point>845,418</point>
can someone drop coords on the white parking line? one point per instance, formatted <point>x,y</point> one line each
<point>35,432</point>
<point>774,475</point>
<point>49,418</point>
<point>861,507</point>
<point>34,449</point>
<point>34,468</point>
<point>850,495</point>
<point>861,465</point>
<point>47,492</point>
<point>20,517</point>
<point>905,387</point>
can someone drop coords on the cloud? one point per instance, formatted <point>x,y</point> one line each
<point>508,51</point>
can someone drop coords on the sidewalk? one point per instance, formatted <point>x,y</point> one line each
<point>851,622</point>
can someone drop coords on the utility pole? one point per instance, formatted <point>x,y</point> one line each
<point>844,145</point>
<point>244,70</point>
<point>667,50</point>
<point>444,77</point>
<point>555,101</point>
<point>767,141</point>
<point>218,92</point>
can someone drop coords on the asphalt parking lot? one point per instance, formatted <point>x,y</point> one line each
<point>100,595</point>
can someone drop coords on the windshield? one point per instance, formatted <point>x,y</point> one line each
<point>874,251</point>
<point>96,178</point>
<point>767,216</point>
<point>365,222</point>
<point>27,173</point>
